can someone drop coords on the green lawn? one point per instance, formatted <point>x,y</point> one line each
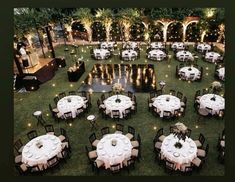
<point>26,103</point>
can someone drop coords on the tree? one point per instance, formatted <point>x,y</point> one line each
<point>86,18</point>
<point>126,17</point>
<point>105,16</point>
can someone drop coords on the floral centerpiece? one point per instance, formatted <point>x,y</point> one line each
<point>180,131</point>
<point>39,144</point>
<point>73,68</point>
<point>216,86</point>
<point>114,142</point>
<point>117,88</point>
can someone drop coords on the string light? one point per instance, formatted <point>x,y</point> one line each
<point>29,124</point>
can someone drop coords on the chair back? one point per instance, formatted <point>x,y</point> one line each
<point>92,138</point>
<point>131,130</point>
<point>49,128</point>
<point>32,134</point>
<point>119,127</point>
<point>105,131</point>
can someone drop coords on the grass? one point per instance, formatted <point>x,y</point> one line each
<point>26,103</point>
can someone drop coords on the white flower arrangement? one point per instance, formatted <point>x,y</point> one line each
<point>216,85</point>
<point>117,87</point>
<point>180,127</point>
<point>73,68</point>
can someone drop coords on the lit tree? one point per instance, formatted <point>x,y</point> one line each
<point>106,17</point>
<point>86,18</point>
<point>126,18</point>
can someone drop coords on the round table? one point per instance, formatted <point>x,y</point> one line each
<point>179,156</point>
<point>158,54</point>
<point>221,72</point>
<point>181,55</point>
<point>40,149</point>
<point>212,56</point>
<point>128,54</point>
<point>64,105</point>
<point>163,104</point>
<point>110,154</point>
<point>204,47</point>
<point>111,104</point>
<point>216,105</point>
<point>157,45</point>
<point>101,52</point>
<point>178,45</point>
<point>189,70</point>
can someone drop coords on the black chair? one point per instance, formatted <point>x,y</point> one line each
<point>185,100</point>
<point>210,111</point>
<point>200,141</point>
<point>102,98</point>
<point>188,132</point>
<point>72,92</point>
<point>152,94</point>
<point>105,131</point>
<point>198,93</point>
<point>18,145</point>
<point>131,132</point>
<point>49,129</point>
<point>68,116</point>
<point>64,154</point>
<point>32,134</point>
<point>172,92</point>
<point>110,93</point>
<point>172,129</point>
<point>83,94</point>
<point>150,104</point>
<point>119,127</point>
<point>130,164</point>
<point>115,168</point>
<point>116,114</point>
<point>159,135</point>
<point>54,113</point>
<point>158,93</point>
<point>127,113</point>
<point>93,140</point>
<point>130,94</point>
<point>62,95</point>
<point>167,115</point>
<point>139,139</point>
<point>64,138</point>
<point>56,99</point>
<point>53,162</point>
<point>169,167</point>
<point>188,170</point>
<point>179,95</point>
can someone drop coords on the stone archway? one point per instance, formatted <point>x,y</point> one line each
<point>98,31</point>
<point>192,32</point>
<point>137,32</point>
<point>78,31</point>
<point>156,32</point>
<point>175,31</point>
<point>115,32</point>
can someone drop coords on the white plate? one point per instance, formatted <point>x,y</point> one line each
<point>103,153</point>
<point>125,148</point>
<point>176,154</point>
<point>119,153</point>
<point>38,156</point>
<point>190,151</point>
<point>100,147</point>
<point>166,144</point>
<point>53,148</point>
<point>169,150</point>
<point>29,155</point>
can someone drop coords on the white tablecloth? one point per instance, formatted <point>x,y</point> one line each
<point>204,47</point>
<point>219,103</point>
<point>189,70</point>
<point>182,155</point>
<point>32,155</point>
<point>129,53</point>
<point>110,104</point>
<point>163,105</point>
<point>212,56</point>
<point>101,52</point>
<point>105,45</point>
<point>184,54</point>
<point>221,73</point>
<point>157,54</point>
<point>178,45</point>
<point>64,106</point>
<point>157,45</point>
<point>113,154</point>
